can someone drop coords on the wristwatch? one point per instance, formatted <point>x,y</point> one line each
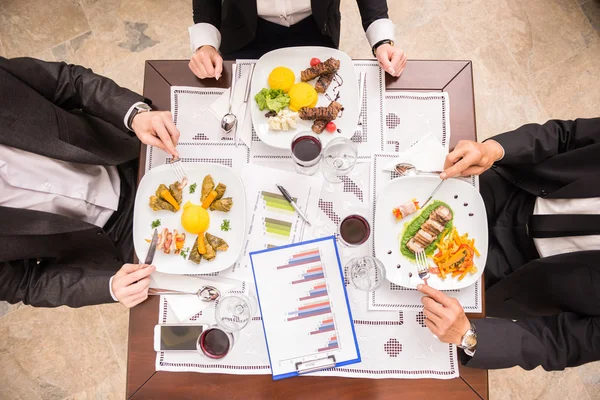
<point>139,108</point>
<point>469,341</point>
<point>376,45</point>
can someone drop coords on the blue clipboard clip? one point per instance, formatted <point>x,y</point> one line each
<point>315,365</point>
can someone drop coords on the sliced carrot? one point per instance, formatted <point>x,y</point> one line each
<point>167,196</point>
<point>209,199</point>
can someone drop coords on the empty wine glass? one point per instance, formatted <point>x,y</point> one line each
<point>366,273</point>
<point>339,158</point>
<point>233,312</point>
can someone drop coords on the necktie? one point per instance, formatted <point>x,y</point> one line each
<point>563,225</point>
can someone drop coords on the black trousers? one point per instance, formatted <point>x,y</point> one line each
<point>119,227</point>
<point>270,36</point>
<point>508,209</point>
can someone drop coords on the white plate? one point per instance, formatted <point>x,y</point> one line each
<point>143,216</point>
<point>298,59</point>
<point>388,231</point>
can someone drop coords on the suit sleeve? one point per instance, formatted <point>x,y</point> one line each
<point>207,11</point>
<point>555,343</point>
<point>74,87</point>
<point>52,285</point>
<point>534,143</point>
<point>371,11</point>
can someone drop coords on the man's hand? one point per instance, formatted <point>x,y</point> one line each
<point>445,316</point>
<point>391,59</point>
<point>206,63</point>
<point>156,128</point>
<point>471,158</point>
<point>130,284</point>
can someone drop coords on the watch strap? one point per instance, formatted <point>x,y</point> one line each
<point>136,110</point>
<point>381,42</point>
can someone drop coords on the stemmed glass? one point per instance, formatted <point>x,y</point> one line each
<point>233,312</point>
<point>366,273</point>
<point>339,158</point>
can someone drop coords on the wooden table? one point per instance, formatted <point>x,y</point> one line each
<point>143,382</point>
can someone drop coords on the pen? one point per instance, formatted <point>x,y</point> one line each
<point>293,203</point>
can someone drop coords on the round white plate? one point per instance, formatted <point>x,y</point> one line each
<point>143,216</point>
<point>388,232</point>
<point>298,59</point>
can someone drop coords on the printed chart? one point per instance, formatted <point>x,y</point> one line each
<point>311,310</point>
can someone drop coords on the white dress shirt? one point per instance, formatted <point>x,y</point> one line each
<point>285,13</point>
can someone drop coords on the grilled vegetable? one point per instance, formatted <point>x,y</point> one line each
<point>208,186</point>
<point>224,205</point>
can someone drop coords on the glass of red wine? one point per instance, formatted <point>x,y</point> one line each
<point>354,230</point>
<point>307,151</point>
<point>215,343</point>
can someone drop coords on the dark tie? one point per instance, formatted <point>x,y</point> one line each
<point>562,225</point>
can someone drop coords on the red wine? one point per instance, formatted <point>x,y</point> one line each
<point>355,230</point>
<point>306,148</point>
<point>215,343</point>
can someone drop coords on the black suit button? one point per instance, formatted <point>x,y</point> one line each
<point>494,166</point>
<point>518,182</point>
<point>543,193</point>
<point>99,233</point>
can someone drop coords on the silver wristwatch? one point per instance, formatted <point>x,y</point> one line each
<point>469,341</point>
<point>142,107</point>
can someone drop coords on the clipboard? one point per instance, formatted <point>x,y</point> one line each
<point>306,316</point>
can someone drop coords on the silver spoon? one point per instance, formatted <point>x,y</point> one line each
<point>229,120</point>
<point>206,293</point>
<point>407,169</point>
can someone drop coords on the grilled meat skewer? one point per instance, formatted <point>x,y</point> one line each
<point>328,67</point>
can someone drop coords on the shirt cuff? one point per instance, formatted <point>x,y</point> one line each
<point>126,119</point>
<point>379,30</point>
<point>110,289</point>
<point>204,34</point>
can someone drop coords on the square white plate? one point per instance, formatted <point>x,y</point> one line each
<point>388,232</point>
<point>143,216</point>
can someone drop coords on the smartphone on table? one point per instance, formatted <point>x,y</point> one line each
<point>177,337</point>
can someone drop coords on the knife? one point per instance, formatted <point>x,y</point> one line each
<point>242,110</point>
<point>433,193</point>
<point>152,249</point>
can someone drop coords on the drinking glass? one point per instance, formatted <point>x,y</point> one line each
<point>307,151</point>
<point>354,230</point>
<point>214,342</point>
<point>339,158</point>
<point>366,273</point>
<point>234,311</point>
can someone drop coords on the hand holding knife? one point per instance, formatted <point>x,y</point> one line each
<point>290,200</point>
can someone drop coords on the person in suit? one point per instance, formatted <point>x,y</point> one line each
<point>541,188</point>
<point>69,146</point>
<point>250,28</point>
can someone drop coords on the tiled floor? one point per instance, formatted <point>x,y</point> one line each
<point>533,60</point>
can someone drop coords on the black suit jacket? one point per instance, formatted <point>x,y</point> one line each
<point>559,160</point>
<point>68,113</point>
<point>236,19</point>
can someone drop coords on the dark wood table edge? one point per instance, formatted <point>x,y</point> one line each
<point>466,64</point>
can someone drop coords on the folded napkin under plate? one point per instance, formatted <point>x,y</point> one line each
<point>427,154</point>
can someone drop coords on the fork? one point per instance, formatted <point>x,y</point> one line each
<point>179,172</point>
<point>422,265</point>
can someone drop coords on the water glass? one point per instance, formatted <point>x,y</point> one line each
<point>339,158</point>
<point>307,151</point>
<point>366,273</point>
<point>233,312</point>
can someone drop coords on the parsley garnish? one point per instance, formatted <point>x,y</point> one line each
<point>193,188</point>
<point>155,223</point>
<point>184,252</point>
<point>225,225</point>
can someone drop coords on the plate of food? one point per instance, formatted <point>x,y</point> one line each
<point>201,225</point>
<point>451,229</point>
<point>298,89</point>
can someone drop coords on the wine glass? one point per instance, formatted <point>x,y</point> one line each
<point>366,273</point>
<point>307,151</point>
<point>234,311</point>
<point>339,158</point>
<point>354,230</point>
<point>215,343</point>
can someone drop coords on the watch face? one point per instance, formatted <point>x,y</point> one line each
<point>144,107</point>
<point>471,340</point>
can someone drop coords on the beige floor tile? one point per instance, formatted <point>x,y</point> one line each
<point>353,39</point>
<point>111,388</point>
<point>46,55</point>
<point>429,41</point>
<point>116,321</point>
<point>518,384</point>
<point>469,25</point>
<point>29,27</point>
<point>540,33</point>
<point>590,376</point>
<point>504,98</point>
<point>571,88</point>
<point>591,9</point>
<point>2,53</point>
<point>52,353</point>
<point>6,308</point>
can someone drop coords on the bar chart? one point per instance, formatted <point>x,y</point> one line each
<point>277,228</point>
<point>332,344</point>
<point>277,203</point>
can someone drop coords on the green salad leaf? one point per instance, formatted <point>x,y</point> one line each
<point>273,99</point>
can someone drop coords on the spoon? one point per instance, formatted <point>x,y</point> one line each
<point>407,169</point>
<point>206,293</point>
<point>229,120</point>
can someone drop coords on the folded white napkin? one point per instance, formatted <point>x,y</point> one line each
<point>427,154</point>
<point>183,306</point>
<point>221,107</point>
